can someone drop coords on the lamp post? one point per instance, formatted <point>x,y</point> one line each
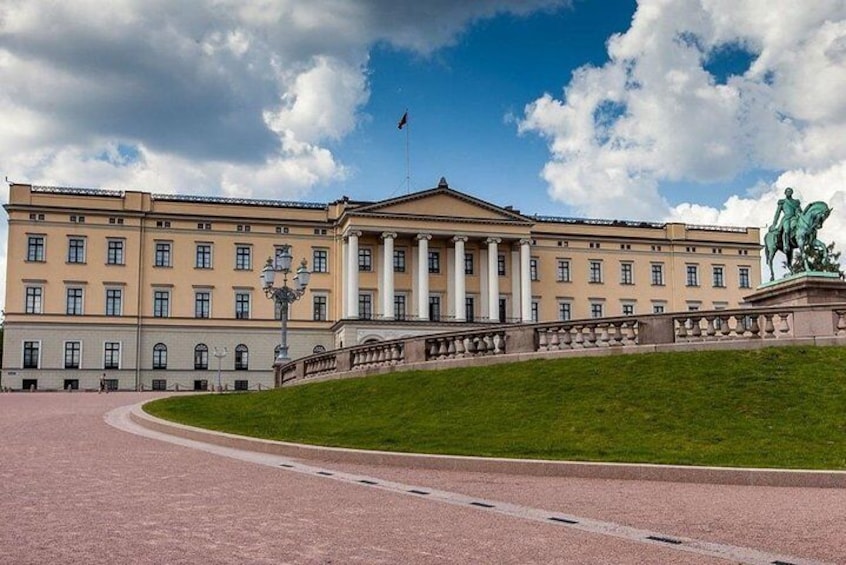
<point>219,354</point>
<point>284,295</point>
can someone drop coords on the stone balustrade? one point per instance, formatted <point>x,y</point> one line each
<point>816,324</point>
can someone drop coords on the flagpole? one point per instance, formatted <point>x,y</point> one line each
<point>407,158</point>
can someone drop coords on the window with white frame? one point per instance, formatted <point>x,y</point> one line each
<point>34,303</point>
<point>202,304</point>
<point>659,307</point>
<point>242,358</point>
<point>201,357</point>
<point>365,306</point>
<point>500,265</point>
<point>114,302</point>
<point>565,311</point>
<point>597,309</point>
<point>399,260</point>
<point>320,261</point>
<point>365,260</point>
<point>533,269</point>
<point>114,251</point>
<point>718,276</point>
<point>626,273</point>
<point>535,311</point>
<point>35,245</point>
<point>468,264</point>
<point>243,257</point>
<point>657,274</point>
<point>564,270</point>
<point>400,311</point>
<point>73,302</point>
<point>162,254</point>
<point>203,256</point>
<point>595,275</point>
<point>111,355</point>
<point>31,354</point>
<point>160,356</point>
<point>470,308</point>
<point>434,261</point>
<point>73,351</point>
<point>628,308</point>
<point>161,303</point>
<point>242,305</point>
<point>76,250</point>
<point>321,307</point>
<point>743,277</point>
<point>692,275</point>
<point>434,308</point>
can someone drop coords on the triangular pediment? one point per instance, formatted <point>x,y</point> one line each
<point>441,202</point>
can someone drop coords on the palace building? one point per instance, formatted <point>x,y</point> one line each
<point>149,289</point>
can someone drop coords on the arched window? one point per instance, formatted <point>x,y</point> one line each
<point>318,349</point>
<point>160,356</point>
<point>242,358</point>
<point>201,356</point>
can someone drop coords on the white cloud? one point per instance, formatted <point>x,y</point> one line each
<point>654,113</point>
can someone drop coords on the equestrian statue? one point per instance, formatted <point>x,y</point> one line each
<point>797,231</point>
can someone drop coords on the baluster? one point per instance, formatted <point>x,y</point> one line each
<point>451,347</point>
<point>499,343</point>
<point>469,347</point>
<point>754,329</point>
<point>459,347</point>
<point>433,349</point>
<point>710,330</point>
<point>543,342</point>
<point>580,338</point>
<point>591,336</point>
<point>442,348</point>
<point>488,343</point>
<point>554,342</point>
<point>681,330</point>
<point>725,329</point>
<point>769,328</point>
<point>617,333</point>
<point>566,341</point>
<point>603,335</point>
<point>784,326</point>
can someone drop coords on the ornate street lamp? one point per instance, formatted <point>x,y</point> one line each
<point>219,355</point>
<point>284,295</point>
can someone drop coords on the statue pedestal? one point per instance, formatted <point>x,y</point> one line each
<point>802,289</point>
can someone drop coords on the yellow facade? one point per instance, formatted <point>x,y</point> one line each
<point>89,269</point>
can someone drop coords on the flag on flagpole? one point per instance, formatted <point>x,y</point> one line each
<point>403,120</point>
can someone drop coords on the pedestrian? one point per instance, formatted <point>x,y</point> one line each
<point>102,383</point>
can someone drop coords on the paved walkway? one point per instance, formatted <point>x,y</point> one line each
<point>78,490</point>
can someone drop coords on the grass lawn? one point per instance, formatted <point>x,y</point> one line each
<point>775,407</point>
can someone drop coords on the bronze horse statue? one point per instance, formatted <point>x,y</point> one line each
<point>803,236</point>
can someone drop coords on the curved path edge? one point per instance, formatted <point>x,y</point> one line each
<point>533,467</point>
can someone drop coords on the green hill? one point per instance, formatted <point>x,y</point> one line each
<point>774,407</point>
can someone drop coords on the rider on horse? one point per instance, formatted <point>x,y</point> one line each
<point>791,207</point>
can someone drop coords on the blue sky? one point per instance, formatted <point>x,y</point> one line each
<point>699,111</point>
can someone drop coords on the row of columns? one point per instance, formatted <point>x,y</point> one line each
<point>351,272</point>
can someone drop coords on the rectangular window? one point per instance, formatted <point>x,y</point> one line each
<point>535,311</point>
<point>533,269</point>
<point>743,277</point>
<point>563,270</point>
<point>202,304</point>
<point>162,258</point>
<point>31,354</point>
<point>434,261</point>
<point>718,277</point>
<point>400,312</point>
<point>320,308</point>
<point>597,309</point>
<point>500,265</point>
<point>595,272</point>
<point>33,300</point>
<point>468,264</point>
<point>399,260</point>
<point>628,310</point>
<point>204,256</point>
<point>242,305</point>
<point>365,306</point>
<point>320,261</point>
<point>241,384</point>
<point>658,308</point>
<point>72,354</point>
<point>114,252</point>
<point>470,308</point>
<point>76,250</point>
<point>565,311</point>
<point>243,258</point>
<point>35,248</point>
<point>365,260</point>
<point>114,302</point>
<point>111,355</point>
<point>161,303</point>
<point>657,274</point>
<point>435,308</point>
<point>626,273</point>
<point>159,384</point>
<point>692,275</point>
<point>74,302</point>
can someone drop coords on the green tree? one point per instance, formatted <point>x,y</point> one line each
<point>822,259</point>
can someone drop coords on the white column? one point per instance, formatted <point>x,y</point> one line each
<point>423,275</point>
<point>352,274</point>
<point>525,280</point>
<point>493,278</point>
<point>459,286</point>
<point>388,275</point>
<point>345,268</point>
